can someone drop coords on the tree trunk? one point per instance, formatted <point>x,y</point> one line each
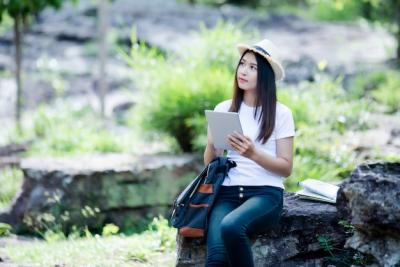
<point>103,51</point>
<point>397,16</point>
<point>18,64</point>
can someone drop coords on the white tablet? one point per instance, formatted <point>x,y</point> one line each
<point>221,125</point>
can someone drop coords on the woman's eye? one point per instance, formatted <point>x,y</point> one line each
<point>253,68</point>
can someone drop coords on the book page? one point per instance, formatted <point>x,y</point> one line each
<point>319,187</point>
<point>304,193</point>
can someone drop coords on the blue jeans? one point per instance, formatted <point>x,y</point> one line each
<point>238,212</point>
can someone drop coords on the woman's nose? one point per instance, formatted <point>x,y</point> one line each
<point>244,70</point>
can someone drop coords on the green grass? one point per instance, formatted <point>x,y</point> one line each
<point>136,250</point>
<point>154,247</point>
<point>63,129</point>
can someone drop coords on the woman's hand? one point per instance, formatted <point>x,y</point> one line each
<point>242,144</point>
<point>211,152</point>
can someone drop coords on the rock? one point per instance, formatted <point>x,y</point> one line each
<point>303,69</point>
<point>14,148</point>
<point>383,135</point>
<point>97,189</point>
<point>293,243</point>
<point>395,134</point>
<point>119,102</point>
<point>9,161</point>
<point>4,62</point>
<point>371,199</point>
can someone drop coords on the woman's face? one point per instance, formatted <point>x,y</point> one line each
<point>247,72</point>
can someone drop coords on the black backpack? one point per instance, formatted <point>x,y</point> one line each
<point>191,208</point>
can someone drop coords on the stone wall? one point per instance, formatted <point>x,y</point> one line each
<point>97,189</point>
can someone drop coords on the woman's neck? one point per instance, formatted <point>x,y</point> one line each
<point>249,98</point>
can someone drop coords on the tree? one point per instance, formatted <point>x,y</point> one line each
<point>103,51</point>
<point>20,11</point>
<point>387,11</point>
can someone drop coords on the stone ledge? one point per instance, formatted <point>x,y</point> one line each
<point>97,189</point>
<point>293,243</point>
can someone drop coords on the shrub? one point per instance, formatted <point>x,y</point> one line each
<point>177,89</point>
<point>5,229</point>
<point>380,86</point>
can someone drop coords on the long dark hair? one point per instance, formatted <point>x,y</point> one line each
<point>265,97</point>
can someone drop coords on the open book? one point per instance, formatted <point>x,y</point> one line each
<point>318,190</point>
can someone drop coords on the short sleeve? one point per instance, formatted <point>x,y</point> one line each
<point>285,124</point>
<point>223,106</point>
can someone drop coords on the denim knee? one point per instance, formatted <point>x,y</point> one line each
<point>230,230</point>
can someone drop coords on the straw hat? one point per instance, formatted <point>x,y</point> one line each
<point>266,49</point>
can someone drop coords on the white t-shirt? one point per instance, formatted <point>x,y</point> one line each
<point>248,172</point>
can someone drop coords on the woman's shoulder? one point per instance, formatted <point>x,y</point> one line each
<point>282,108</point>
<point>224,105</point>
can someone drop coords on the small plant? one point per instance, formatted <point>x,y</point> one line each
<point>110,229</point>
<point>57,223</point>
<point>166,234</point>
<point>5,229</point>
<point>338,256</point>
<point>348,227</point>
<point>139,256</point>
<point>379,86</point>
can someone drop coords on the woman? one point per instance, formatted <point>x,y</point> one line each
<point>251,197</point>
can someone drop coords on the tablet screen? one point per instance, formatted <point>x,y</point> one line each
<point>221,125</point>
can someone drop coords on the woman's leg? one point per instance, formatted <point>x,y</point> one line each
<point>257,213</point>
<point>216,253</point>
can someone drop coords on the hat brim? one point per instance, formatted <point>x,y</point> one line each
<point>276,66</point>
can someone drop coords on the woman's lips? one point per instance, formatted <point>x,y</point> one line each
<point>242,80</point>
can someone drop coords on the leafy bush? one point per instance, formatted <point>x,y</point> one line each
<point>342,10</point>
<point>177,89</point>
<point>380,86</point>
<point>5,229</point>
<point>165,233</point>
<point>323,112</point>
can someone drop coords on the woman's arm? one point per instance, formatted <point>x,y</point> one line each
<point>210,152</point>
<point>282,164</point>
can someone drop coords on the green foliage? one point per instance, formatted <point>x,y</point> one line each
<point>348,227</point>
<point>23,8</point>
<point>177,89</point>
<point>10,181</point>
<point>165,233</point>
<point>339,256</point>
<point>141,255</point>
<point>69,131</point>
<point>58,223</point>
<point>343,10</point>
<point>322,113</point>
<point>380,86</point>
<point>94,250</point>
<point>5,229</point>
<point>110,229</point>
<point>6,23</point>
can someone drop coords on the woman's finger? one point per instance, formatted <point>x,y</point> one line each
<point>234,139</point>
